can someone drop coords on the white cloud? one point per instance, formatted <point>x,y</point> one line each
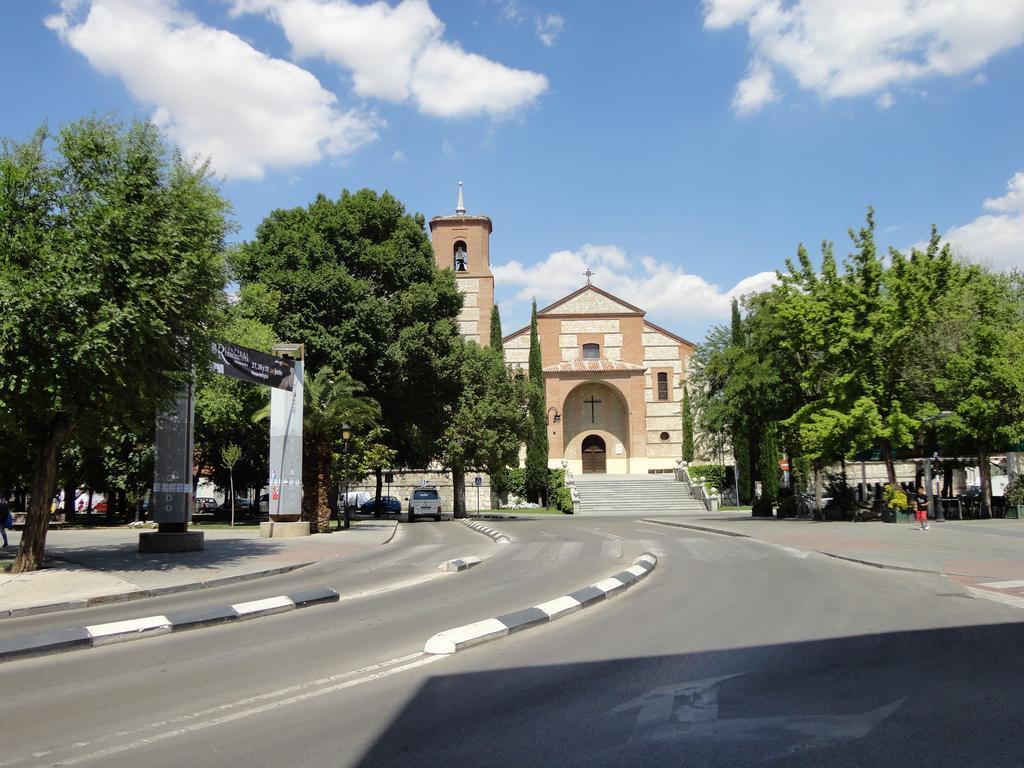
<point>841,49</point>
<point>665,291</point>
<point>995,239</point>
<point>548,28</point>
<point>213,93</point>
<point>398,53</point>
<point>398,156</point>
<point>886,100</point>
<point>755,90</point>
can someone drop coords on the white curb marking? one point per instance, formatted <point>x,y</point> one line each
<point>608,585</point>
<point>559,605</point>
<point>116,631</point>
<point>268,604</point>
<point>451,640</point>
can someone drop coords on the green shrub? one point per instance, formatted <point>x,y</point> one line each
<point>713,474</point>
<point>1015,492</point>
<point>516,482</point>
<point>894,498</point>
<point>559,496</point>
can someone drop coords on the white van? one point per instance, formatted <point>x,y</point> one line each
<point>425,502</point>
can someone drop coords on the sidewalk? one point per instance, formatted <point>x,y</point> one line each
<point>985,554</point>
<point>88,567</point>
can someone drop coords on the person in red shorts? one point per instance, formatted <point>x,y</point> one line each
<point>921,513</point>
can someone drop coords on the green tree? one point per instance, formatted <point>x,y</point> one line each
<point>111,257</point>
<point>537,440</point>
<point>496,338</point>
<point>499,475</point>
<point>687,426</point>
<point>490,422</point>
<point>358,286</point>
<point>229,456</point>
<point>981,376</point>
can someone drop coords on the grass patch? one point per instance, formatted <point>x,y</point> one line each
<point>734,509</point>
<point>538,511</point>
<point>6,563</point>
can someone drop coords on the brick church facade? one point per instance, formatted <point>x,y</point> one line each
<point>613,380</point>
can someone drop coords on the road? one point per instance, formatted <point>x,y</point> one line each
<point>731,653</point>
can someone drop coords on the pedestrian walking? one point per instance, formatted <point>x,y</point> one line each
<point>6,519</point>
<point>922,508</point>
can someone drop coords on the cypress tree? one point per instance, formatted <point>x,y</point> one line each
<point>687,426</point>
<point>499,475</point>
<point>496,331</point>
<point>742,447</point>
<point>769,463</point>
<point>537,444</point>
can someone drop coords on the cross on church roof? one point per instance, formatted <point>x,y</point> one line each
<point>588,275</point>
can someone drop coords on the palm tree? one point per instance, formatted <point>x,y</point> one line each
<point>330,400</point>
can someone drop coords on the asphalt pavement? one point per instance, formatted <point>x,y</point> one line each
<point>86,567</point>
<point>95,566</point>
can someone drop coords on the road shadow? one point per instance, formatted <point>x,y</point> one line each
<point>943,697</point>
<point>219,553</point>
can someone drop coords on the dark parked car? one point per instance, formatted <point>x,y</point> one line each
<point>388,504</point>
<point>243,506</point>
<point>205,504</point>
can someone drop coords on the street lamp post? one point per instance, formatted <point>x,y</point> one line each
<point>346,435</point>
<point>940,514</point>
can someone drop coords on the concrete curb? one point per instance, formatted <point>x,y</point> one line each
<point>457,638</point>
<point>498,536</point>
<point>138,594</point>
<point>459,564</point>
<point>845,558</point>
<point>134,629</point>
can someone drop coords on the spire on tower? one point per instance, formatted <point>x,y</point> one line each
<point>460,207</point>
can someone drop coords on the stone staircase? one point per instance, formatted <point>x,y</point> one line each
<point>640,495</point>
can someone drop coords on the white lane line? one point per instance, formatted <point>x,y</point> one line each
<point>389,587</point>
<point>608,535</point>
<point>528,551</point>
<point>1002,584</point>
<point>369,674</point>
<point>648,530</point>
<point>570,550</point>
<point>998,597</point>
<point>611,549</point>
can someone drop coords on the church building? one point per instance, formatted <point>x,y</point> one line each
<point>613,380</point>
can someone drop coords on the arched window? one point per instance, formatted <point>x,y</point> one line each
<point>591,351</point>
<point>663,386</point>
<point>461,263</point>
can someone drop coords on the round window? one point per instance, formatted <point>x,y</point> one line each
<point>664,437</point>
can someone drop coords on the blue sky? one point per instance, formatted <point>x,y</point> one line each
<point>680,150</point>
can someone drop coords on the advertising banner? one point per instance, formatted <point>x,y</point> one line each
<point>252,366</point>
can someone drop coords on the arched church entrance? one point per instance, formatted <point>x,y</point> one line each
<point>594,455</point>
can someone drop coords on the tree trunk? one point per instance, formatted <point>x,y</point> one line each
<point>458,493</point>
<point>817,493</point>
<point>985,476</point>
<point>379,474</point>
<point>890,465</point>
<point>69,502</point>
<point>37,519</point>
<point>231,477</point>
<point>323,480</point>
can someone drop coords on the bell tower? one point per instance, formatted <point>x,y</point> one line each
<point>462,244</point>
